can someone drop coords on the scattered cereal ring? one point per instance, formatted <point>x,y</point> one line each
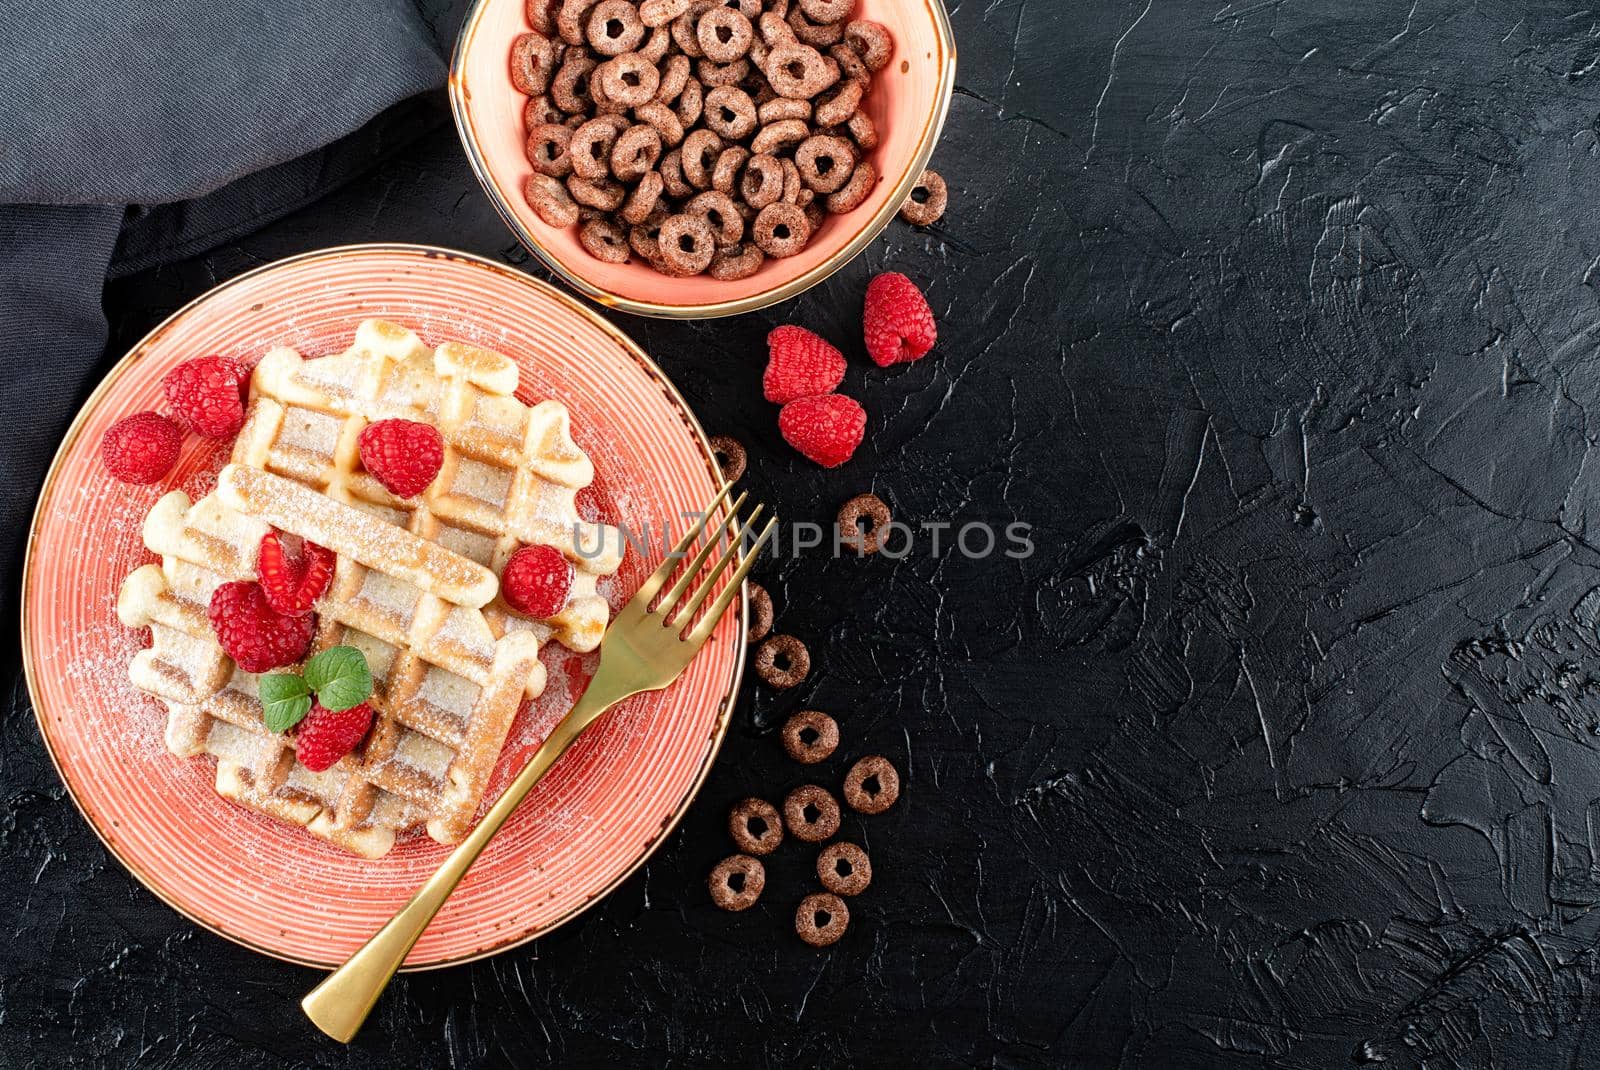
<point>825,162</point>
<point>603,193</point>
<point>737,882</point>
<point>854,193</point>
<point>872,785</point>
<point>645,239</point>
<point>547,149</point>
<point>736,262</point>
<point>864,523</point>
<point>664,119</point>
<point>851,66</point>
<point>871,41</point>
<point>700,152</point>
<point>533,62</point>
<point>571,19</point>
<point>570,87</point>
<point>781,230</point>
<point>755,826</point>
<point>792,186</point>
<point>834,107</point>
<point>540,110</point>
<point>760,613</point>
<point>719,210</point>
<point>690,103</point>
<point>810,813</point>
<point>687,243</point>
<point>636,152</point>
<point>827,10</point>
<point>780,135</point>
<point>725,176</point>
<point>864,130</point>
<point>589,148</point>
<point>781,108</point>
<point>843,868</point>
<point>817,34</point>
<point>730,112</point>
<point>550,200</point>
<point>821,919</point>
<point>930,208</point>
<point>782,661</point>
<point>672,175</point>
<point>655,46</point>
<point>683,33</point>
<point>541,16</point>
<point>629,80</point>
<point>655,13</point>
<point>642,199</point>
<point>730,456</point>
<point>810,736</point>
<point>605,241</point>
<point>614,27</point>
<point>724,34</point>
<point>762,182</point>
<point>719,74</point>
<point>799,71</point>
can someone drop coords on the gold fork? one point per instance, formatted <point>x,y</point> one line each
<point>644,649</point>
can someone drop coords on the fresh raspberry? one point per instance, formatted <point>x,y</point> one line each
<point>327,735</point>
<point>536,581</point>
<point>826,429</point>
<point>292,585</point>
<point>898,323</point>
<point>403,455</point>
<point>141,448</point>
<point>254,634</point>
<point>207,393</point>
<point>800,365</point>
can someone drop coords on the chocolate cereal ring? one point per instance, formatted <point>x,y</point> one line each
<point>782,661</point>
<point>737,882</point>
<point>835,107</point>
<point>935,197</point>
<point>780,135</point>
<point>629,80</point>
<point>672,175</point>
<point>657,45</point>
<point>810,813</point>
<point>614,27</point>
<point>655,13</point>
<point>755,826</point>
<point>540,110</point>
<point>774,30</point>
<point>825,162</point>
<point>843,868</point>
<point>725,176</point>
<point>871,41</point>
<point>550,200</point>
<point>864,130</point>
<point>810,736</point>
<point>547,149</point>
<point>664,119</point>
<point>760,613</point>
<point>872,785</point>
<point>731,457</point>
<point>569,89</point>
<point>781,230</point>
<point>799,71</point>
<point>716,74</point>
<point>816,34</point>
<point>674,76</point>
<point>730,112</point>
<point>821,919</point>
<point>605,241</point>
<point>687,243</point>
<point>719,210</point>
<point>642,199</point>
<point>864,523</point>
<point>700,152</point>
<point>690,103</point>
<point>571,18</point>
<point>589,148</point>
<point>541,16</point>
<point>792,186</point>
<point>637,150</point>
<point>852,68</point>
<point>683,30</point>
<point>724,34</point>
<point>533,62</point>
<point>603,193</point>
<point>854,193</point>
<point>645,239</point>
<point>762,182</point>
<point>736,262</point>
<point>781,108</point>
<point>827,10</point>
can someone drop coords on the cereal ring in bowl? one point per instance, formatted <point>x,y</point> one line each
<point>901,115</point>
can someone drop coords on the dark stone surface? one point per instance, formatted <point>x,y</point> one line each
<point>1278,322</point>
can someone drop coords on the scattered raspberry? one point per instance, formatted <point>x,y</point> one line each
<point>403,455</point>
<point>327,735</point>
<point>800,364</point>
<point>141,448</point>
<point>537,581</point>
<point>898,323</point>
<point>292,585</point>
<point>207,393</point>
<point>826,429</point>
<point>254,634</point>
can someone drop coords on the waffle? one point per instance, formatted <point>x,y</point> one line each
<point>415,585</point>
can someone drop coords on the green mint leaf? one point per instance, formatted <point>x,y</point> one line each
<point>285,700</point>
<point>340,677</point>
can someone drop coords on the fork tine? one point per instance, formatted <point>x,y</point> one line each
<point>702,631</point>
<point>647,591</point>
<point>675,592</point>
<point>682,617</point>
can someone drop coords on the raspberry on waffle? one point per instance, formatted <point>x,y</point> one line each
<point>415,584</point>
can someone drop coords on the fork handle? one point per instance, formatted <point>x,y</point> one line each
<point>343,1000</point>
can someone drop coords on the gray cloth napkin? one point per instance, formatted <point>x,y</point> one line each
<point>137,132</point>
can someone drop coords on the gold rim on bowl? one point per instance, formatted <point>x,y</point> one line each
<point>650,368</point>
<point>943,92</point>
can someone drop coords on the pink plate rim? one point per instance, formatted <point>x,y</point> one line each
<point>424,252</point>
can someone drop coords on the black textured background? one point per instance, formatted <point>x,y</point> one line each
<point>1278,322</point>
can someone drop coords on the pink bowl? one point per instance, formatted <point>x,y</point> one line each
<point>908,101</point>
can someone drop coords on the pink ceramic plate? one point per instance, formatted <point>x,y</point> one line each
<point>908,101</point>
<point>277,889</point>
